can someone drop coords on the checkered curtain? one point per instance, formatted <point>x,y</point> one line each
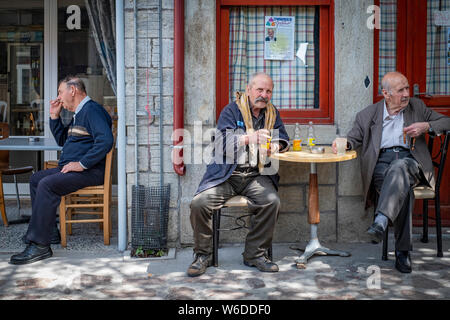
<point>388,39</point>
<point>438,70</point>
<point>293,83</point>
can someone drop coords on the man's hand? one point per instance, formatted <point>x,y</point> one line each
<point>416,129</point>
<point>72,166</point>
<point>55,108</point>
<point>274,148</point>
<point>261,136</point>
<point>333,147</point>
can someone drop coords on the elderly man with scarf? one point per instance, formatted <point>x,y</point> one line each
<point>238,168</point>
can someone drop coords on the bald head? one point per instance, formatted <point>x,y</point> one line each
<point>395,89</point>
<point>390,79</point>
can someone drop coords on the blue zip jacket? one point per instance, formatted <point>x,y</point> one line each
<point>87,139</point>
<point>231,126</point>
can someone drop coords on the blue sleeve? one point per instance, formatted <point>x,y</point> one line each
<point>59,131</point>
<point>230,127</point>
<point>99,126</point>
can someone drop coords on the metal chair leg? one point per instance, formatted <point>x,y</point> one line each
<point>438,227</point>
<point>425,222</point>
<point>17,193</point>
<point>215,222</point>
<point>385,244</point>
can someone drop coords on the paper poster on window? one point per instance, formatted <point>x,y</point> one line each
<point>279,38</point>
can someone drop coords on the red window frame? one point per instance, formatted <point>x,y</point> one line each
<point>411,51</point>
<point>325,113</point>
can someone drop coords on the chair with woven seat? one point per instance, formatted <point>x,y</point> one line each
<point>6,170</point>
<point>92,201</point>
<point>425,193</point>
<point>236,201</point>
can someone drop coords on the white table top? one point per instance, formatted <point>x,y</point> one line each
<point>24,144</point>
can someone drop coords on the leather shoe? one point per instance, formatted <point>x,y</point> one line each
<point>262,263</point>
<point>32,253</point>
<point>403,261</point>
<point>199,265</point>
<point>376,232</point>
<point>55,239</point>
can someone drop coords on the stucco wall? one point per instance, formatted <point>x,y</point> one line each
<point>343,217</point>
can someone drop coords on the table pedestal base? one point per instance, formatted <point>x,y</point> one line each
<point>315,248</point>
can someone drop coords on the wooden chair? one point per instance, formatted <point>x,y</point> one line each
<point>49,164</point>
<point>5,169</point>
<point>94,200</point>
<point>426,194</point>
<point>236,201</point>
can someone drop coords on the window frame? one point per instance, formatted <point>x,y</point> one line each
<point>411,58</point>
<point>325,113</point>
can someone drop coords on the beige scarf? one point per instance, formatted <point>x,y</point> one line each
<point>243,103</point>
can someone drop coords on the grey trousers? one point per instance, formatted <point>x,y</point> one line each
<point>395,176</point>
<point>264,204</point>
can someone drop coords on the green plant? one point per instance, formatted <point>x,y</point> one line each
<point>139,251</point>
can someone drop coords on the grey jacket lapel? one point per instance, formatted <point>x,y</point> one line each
<point>376,127</point>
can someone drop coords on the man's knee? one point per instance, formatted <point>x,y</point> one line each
<point>273,200</point>
<point>398,165</point>
<point>199,202</point>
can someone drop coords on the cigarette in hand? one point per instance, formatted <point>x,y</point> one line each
<point>404,138</point>
<point>413,143</point>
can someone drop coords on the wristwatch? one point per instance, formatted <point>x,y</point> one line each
<point>430,130</point>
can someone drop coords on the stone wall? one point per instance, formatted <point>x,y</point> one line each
<point>343,217</point>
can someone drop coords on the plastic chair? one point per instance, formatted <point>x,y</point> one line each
<point>236,201</point>
<point>93,200</point>
<point>426,194</point>
<point>5,169</point>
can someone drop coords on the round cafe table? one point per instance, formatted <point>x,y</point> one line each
<point>305,156</point>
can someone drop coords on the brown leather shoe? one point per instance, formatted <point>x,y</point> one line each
<point>199,265</point>
<point>263,264</point>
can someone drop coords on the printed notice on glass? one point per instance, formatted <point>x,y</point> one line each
<point>279,38</point>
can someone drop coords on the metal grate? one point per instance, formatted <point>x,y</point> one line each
<point>149,217</point>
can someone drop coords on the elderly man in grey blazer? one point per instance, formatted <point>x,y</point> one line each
<point>394,159</point>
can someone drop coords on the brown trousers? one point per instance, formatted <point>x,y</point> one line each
<point>264,204</point>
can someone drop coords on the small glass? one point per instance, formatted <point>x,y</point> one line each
<point>341,145</point>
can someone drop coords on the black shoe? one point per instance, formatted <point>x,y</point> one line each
<point>199,265</point>
<point>32,253</point>
<point>262,264</point>
<point>55,239</point>
<point>376,232</point>
<point>403,261</point>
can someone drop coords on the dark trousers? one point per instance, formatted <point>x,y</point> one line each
<point>264,204</point>
<point>46,189</point>
<point>395,176</point>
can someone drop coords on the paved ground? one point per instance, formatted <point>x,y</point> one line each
<point>109,274</point>
<point>89,270</point>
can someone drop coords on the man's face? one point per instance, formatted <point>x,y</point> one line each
<point>260,91</point>
<point>398,97</point>
<point>66,96</point>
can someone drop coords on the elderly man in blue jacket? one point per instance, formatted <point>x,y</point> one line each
<point>239,168</point>
<point>86,141</point>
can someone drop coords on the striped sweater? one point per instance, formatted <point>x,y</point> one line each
<point>86,139</point>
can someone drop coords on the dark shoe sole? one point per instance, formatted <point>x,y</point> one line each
<point>38,258</point>
<point>403,270</point>
<point>249,264</point>
<point>375,237</point>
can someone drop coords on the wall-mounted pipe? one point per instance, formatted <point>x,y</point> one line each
<point>178,87</point>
